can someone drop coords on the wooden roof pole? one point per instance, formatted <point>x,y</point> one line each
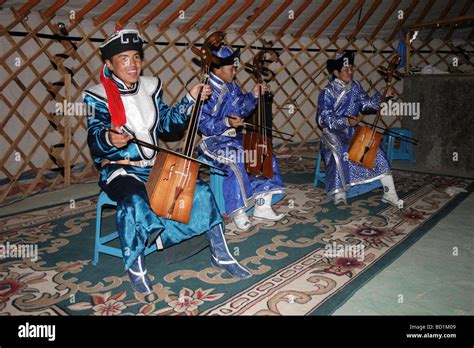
<point>132,12</point>
<point>453,20</point>
<point>384,19</point>
<point>443,15</point>
<point>313,17</point>
<point>51,11</point>
<point>164,4</point>
<point>364,20</point>
<point>86,9</point>
<point>257,13</point>
<point>463,12</point>
<point>298,12</point>
<point>175,15</point>
<point>25,9</point>
<point>217,15</point>
<point>402,21</point>
<point>22,11</point>
<point>185,28</point>
<point>277,13</point>
<point>347,19</point>
<point>425,11</point>
<point>236,15</point>
<point>114,8</point>
<point>328,20</point>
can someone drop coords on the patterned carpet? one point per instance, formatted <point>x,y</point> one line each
<point>294,271</point>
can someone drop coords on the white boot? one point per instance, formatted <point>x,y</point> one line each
<point>263,208</point>
<point>390,195</point>
<point>242,221</point>
<point>340,197</point>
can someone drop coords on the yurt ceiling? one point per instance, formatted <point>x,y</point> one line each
<point>345,18</point>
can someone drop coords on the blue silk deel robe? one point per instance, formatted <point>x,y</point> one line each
<point>147,118</point>
<point>336,101</point>
<point>222,145</point>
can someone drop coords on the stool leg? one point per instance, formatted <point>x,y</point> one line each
<point>391,144</point>
<point>98,226</point>
<point>216,188</point>
<point>411,154</point>
<point>318,168</point>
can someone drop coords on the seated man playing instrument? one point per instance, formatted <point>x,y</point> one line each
<point>341,99</point>
<point>222,144</point>
<point>126,106</point>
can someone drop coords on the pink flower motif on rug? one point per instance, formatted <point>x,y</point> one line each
<point>10,287</point>
<point>413,216</point>
<point>103,304</point>
<point>344,266</point>
<point>188,302</point>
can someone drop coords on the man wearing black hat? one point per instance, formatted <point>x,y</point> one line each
<point>342,98</point>
<point>127,105</point>
<point>225,111</point>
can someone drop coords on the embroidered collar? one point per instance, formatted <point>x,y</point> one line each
<point>341,85</point>
<point>123,89</point>
<point>216,81</point>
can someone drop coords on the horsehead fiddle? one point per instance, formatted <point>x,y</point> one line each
<point>259,139</point>
<point>366,140</point>
<point>172,180</point>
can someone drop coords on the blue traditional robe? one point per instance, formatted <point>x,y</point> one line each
<point>147,118</point>
<point>336,101</point>
<point>222,145</point>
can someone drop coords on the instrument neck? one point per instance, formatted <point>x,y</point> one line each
<point>384,98</point>
<point>191,134</point>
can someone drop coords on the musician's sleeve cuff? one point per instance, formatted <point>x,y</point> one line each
<point>226,121</point>
<point>190,97</point>
<point>107,140</point>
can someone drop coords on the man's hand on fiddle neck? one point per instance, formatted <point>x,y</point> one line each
<point>206,91</point>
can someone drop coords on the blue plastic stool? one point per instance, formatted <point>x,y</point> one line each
<point>318,175</point>
<point>100,242</point>
<point>217,185</point>
<point>404,152</point>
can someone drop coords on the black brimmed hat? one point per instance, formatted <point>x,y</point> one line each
<point>226,56</point>
<point>121,41</point>
<point>338,62</point>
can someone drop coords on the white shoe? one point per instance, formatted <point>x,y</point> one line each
<point>242,221</point>
<point>263,209</point>
<point>339,198</point>
<point>266,213</point>
<point>390,196</point>
<point>393,200</point>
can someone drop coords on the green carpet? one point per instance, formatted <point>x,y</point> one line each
<point>292,272</point>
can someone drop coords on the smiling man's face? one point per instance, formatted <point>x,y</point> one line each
<point>127,66</point>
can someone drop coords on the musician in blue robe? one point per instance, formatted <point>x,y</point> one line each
<point>125,106</point>
<point>344,97</point>
<point>222,144</point>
